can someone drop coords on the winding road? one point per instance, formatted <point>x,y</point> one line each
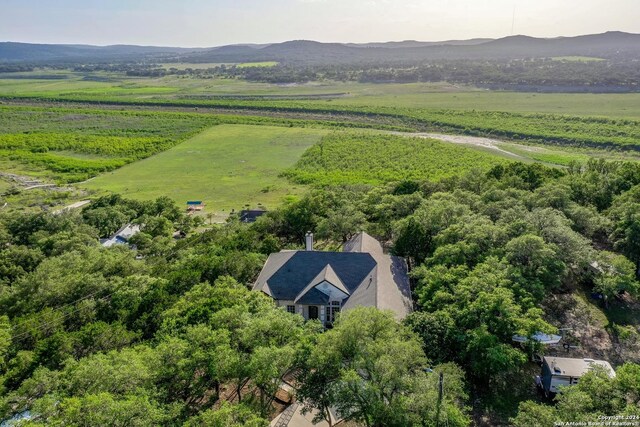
<point>476,141</point>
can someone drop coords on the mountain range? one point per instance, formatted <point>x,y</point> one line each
<point>613,44</point>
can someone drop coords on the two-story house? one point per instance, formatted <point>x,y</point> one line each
<point>318,285</point>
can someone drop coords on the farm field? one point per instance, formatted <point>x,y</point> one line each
<point>206,65</point>
<point>418,96</point>
<point>578,59</point>
<point>121,121</point>
<point>552,129</point>
<point>73,145</point>
<point>410,95</point>
<point>367,158</point>
<point>226,166</point>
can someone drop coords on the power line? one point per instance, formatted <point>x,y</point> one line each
<point>42,326</point>
<point>59,308</point>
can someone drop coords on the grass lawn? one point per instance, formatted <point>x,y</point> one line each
<point>226,166</point>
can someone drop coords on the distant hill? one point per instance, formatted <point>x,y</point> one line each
<point>30,52</point>
<point>607,45</point>
<point>415,43</point>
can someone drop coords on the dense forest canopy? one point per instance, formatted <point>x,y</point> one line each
<point>169,334</point>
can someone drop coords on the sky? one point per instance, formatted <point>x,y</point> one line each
<point>204,23</point>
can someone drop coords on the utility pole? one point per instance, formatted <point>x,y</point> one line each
<point>440,390</point>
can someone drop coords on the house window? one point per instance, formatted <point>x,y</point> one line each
<point>332,312</point>
<point>291,309</point>
<point>313,312</point>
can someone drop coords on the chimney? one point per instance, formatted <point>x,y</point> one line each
<point>309,241</point>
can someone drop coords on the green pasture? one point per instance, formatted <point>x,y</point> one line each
<point>577,59</point>
<point>227,167</point>
<point>366,158</point>
<point>410,95</point>
<point>207,65</point>
<point>421,96</point>
<point>258,64</point>
<point>69,145</point>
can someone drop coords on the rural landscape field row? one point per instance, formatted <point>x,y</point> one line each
<point>72,142</point>
<point>541,128</point>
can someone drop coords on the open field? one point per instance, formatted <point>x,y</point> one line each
<point>551,156</point>
<point>411,95</point>
<point>366,158</point>
<point>418,96</point>
<point>559,119</point>
<point>257,64</point>
<point>226,166</point>
<point>206,65</point>
<point>578,59</point>
<point>550,129</point>
<point>73,145</point>
<point>75,126</point>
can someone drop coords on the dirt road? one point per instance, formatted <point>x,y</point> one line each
<point>476,141</point>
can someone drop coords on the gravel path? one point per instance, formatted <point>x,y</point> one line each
<point>476,141</point>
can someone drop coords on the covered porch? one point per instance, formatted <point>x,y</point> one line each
<point>325,313</point>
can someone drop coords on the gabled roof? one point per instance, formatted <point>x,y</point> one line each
<point>326,275</point>
<point>313,297</point>
<point>362,272</point>
<point>273,264</point>
<point>121,236</point>
<point>362,242</point>
<point>289,273</point>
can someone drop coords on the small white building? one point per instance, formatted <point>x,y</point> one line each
<point>562,371</point>
<point>122,236</point>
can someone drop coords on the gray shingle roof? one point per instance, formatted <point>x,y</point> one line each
<point>303,266</point>
<point>362,242</point>
<point>326,275</point>
<point>314,297</point>
<point>370,277</point>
